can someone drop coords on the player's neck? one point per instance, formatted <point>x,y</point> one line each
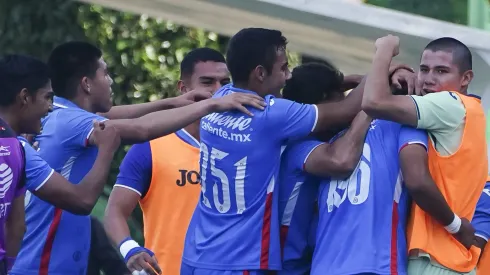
<point>83,103</point>
<point>193,130</point>
<point>12,119</point>
<point>250,87</point>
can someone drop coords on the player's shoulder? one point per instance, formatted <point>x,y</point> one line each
<point>140,149</point>
<point>487,184</point>
<point>225,90</point>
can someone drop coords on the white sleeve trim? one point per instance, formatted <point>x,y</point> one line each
<point>311,151</point>
<point>414,142</point>
<point>92,130</point>
<point>45,180</point>
<point>481,236</point>
<point>316,118</point>
<point>127,187</point>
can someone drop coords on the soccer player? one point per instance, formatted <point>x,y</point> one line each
<point>58,241</point>
<point>305,161</point>
<point>235,227</point>
<point>163,176</point>
<point>27,98</point>
<point>12,158</point>
<point>481,222</point>
<point>438,238</point>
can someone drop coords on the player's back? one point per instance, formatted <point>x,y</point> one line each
<point>236,223</point>
<point>362,219</point>
<point>298,192</point>
<point>57,241</point>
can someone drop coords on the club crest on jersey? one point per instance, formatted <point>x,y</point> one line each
<point>6,178</point>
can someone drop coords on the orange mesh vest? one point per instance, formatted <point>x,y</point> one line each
<point>461,178</point>
<point>171,199</point>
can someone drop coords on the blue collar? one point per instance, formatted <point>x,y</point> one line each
<point>62,102</point>
<point>475,96</point>
<point>235,89</point>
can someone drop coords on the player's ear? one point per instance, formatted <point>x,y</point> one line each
<point>181,86</point>
<point>23,97</point>
<point>467,77</point>
<point>260,73</point>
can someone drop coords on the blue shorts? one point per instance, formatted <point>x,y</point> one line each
<point>190,270</point>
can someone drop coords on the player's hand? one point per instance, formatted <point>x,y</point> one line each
<point>388,43</point>
<point>30,139</point>
<point>238,101</point>
<point>198,94</point>
<point>106,137</point>
<point>466,234</point>
<point>143,262</point>
<point>404,78</point>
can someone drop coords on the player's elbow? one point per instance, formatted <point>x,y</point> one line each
<point>371,106</point>
<point>342,167</point>
<point>83,208</point>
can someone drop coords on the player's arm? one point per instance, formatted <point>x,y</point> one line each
<point>378,101</point>
<point>424,192</point>
<point>132,183</point>
<point>351,81</point>
<point>164,122</point>
<point>340,158</point>
<point>341,113</point>
<point>52,187</point>
<point>481,219</point>
<point>15,228</point>
<point>138,110</point>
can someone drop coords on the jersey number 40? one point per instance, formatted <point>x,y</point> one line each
<point>356,187</point>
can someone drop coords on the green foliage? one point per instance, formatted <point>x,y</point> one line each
<point>455,11</point>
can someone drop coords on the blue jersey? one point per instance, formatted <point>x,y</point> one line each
<point>236,222</point>
<point>298,192</point>
<point>362,219</point>
<point>57,242</point>
<point>481,219</point>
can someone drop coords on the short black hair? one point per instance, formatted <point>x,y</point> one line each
<point>312,83</point>
<point>250,48</point>
<point>69,62</point>
<point>199,55</point>
<point>461,54</point>
<point>19,72</point>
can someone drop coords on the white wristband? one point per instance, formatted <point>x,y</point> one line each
<point>454,226</point>
<point>127,246</point>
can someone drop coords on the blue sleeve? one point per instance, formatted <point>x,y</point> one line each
<point>291,120</point>
<point>38,171</point>
<point>135,169</point>
<point>79,125</point>
<point>481,219</point>
<point>409,135</point>
<point>298,152</point>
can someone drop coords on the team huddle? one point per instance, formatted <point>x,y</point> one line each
<point>253,169</point>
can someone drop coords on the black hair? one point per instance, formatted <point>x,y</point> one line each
<point>313,83</point>
<point>19,72</point>
<point>199,55</point>
<point>69,63</point>
<point>462,57</point>
<point>250,48</point>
